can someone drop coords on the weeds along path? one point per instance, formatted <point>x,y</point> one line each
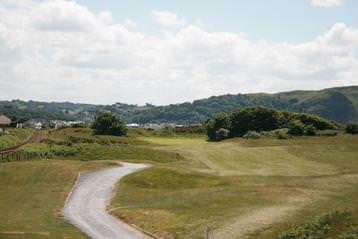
<point>87,204</point>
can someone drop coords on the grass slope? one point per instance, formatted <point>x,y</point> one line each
<point>220,184</point>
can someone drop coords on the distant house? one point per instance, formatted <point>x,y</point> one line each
<point>61,123</point>
<point>4,122</point>
<point>36,123</point>
<point>151,126</point>
<point>133,125</point>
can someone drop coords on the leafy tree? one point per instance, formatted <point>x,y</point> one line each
<point>352,128</point>
<point>255,119</point>
<point>106,123</point>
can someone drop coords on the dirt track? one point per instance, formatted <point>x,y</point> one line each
<point>86,205</point>
<point>36,137</point>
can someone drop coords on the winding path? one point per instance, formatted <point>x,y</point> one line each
<point>86,205</point>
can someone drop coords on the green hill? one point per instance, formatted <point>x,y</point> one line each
<point>340,104</point>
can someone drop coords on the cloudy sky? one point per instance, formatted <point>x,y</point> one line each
<point>161,51</point>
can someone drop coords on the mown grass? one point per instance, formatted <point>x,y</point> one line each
<point>217,182</point>
<point>192,184</point>
<point>32,195</point>
<point>15,137</point>
<point>176,204</point>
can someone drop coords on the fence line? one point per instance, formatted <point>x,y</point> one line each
<point>10,156</point>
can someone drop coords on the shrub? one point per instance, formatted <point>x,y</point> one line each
<point>252,135</point>
<point>352,233</point>
<point>222,134</point>
<point>352,128</point>
<point>109,124</point>
<point>261,119</point>
<point>318,122</point>
<point>64,151</point>
<point>328,133</point>
<point>255,119</point>
<point>296,127</point>
<point>318,227</point>
<point>280,133</point>
<point>221,121</point>
<point>310,130</point>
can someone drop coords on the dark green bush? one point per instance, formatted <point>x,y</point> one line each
<point>106,123</point>
<point>222,134</point>
<point>221,121</point>
<point>296,127</point>
<point>255,119</point>
<point>310,130</point>
<point>261,119</point>
<point>352,129</point>
<point>318,122</point>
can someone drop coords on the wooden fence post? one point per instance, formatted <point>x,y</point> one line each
<point>207,232</point>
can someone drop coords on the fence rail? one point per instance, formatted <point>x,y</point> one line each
<point>10,156</point>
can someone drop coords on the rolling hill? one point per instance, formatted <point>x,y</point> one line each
<point>340,104</point>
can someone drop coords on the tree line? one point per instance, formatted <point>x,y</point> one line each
<point>258,119</point>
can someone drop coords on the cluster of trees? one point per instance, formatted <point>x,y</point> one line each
<point>239,122</point>
<point>352,128</point>
<point>106,123</point>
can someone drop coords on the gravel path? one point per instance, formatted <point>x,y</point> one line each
<point>86,206</point>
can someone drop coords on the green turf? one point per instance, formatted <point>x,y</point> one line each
<point>192,184</point>
<point>217,182</point>
<point>81,144</point>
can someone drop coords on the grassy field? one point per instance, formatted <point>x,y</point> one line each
<point>81,145</point>
<point>223,184</point>
<point>239,188</point>
<point>15,136</point>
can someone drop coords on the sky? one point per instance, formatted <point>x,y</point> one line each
<point>163,52</point>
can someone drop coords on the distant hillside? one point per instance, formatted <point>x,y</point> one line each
<point>340,104</point>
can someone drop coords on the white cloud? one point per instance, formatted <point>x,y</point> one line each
<point>130,23</point>
<point>168,19</point>
<point>70,53</point>
<point>327,3</point>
